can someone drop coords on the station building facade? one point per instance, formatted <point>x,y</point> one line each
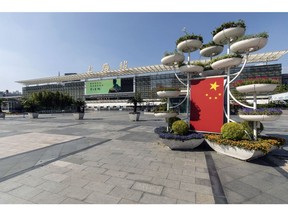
<point>98,88</point>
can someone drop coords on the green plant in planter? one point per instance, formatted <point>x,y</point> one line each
<point>256,80</point>
<point>189,37</point>
<point>232,130</point>
<point>248,128</point>
<point>234,55</point>
<point>259,35</point>
<point>180,127</point>
<point>230,24</point>
<point>135,100</point>
<point>166,53</point>
<point>172,120</point>
<point>211,43</point>
<point>198,63</point>
<point>79,106</point>
<point>30,104</point>
<point>260,111</point>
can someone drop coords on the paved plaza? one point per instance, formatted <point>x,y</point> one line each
<point>107,159</point>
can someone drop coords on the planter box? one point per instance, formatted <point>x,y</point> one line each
<point>2,115</point>
<point>165,115</point>
<point>211,51</point>
<point>33,115</point>
<point>189,45</point>
<point>259,117</point>
<point>168,94</point>
<point>256,88</point>
<point>236,152</point>
<point>182,145</point>
<point>172,59</point>
<point>134,116</point>
<point>78,116</point>
<point>226,63</point>
<point>230,34</point>
<point>191,69</point>
<point>249,45</point>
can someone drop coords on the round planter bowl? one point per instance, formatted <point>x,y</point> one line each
<point>165,115</point>
<point>33,115</point>
<point>256,88</point>
<point>248,45</point>
<point>211,51</point>
<point>236,152</point>
<point>211,73</point>
<point>230,34</point>
<point>182,145</point>
<point>226,63</point>
<point>189,45</point>
<point>168,94</point>
<point>259,117</point>
<point>170,60</point>
<point>191,69</point>
<point>78,116</point>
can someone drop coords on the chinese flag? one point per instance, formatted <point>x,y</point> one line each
<point>207,104</point>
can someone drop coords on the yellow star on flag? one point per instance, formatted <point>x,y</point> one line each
<point>214,86</point>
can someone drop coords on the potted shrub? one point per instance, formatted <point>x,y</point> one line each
<point>250,43</point>
<point>211,49</point>
<point>172,58</point>
<point>79,109</point>
<point>228,32</point>
<point>179,137</point>
<point>168,92</point>
<point>232,142</point>
<point>134,116</point>
<point>31,105</point>
<point>257,84</point>
<point>208,71</point>
<point>191,67</point>
<point>189,42</point>
<point>226,61</point>
<point>161,111</point>
<point>261,114</point>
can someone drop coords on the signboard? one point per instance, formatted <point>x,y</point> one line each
<point>109,86</point>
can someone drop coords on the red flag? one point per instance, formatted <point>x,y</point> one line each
<point>207,104</point>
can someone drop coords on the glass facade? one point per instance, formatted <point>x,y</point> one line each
<point>147,84</point>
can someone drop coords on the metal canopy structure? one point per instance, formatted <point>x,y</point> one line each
<point>253,58</point>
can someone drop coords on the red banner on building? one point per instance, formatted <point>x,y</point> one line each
<point>207,104</point>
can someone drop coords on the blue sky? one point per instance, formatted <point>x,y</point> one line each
<point>35,45</point>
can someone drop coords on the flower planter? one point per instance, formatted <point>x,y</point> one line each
<point>170,60</point>
<point>191,69</point>
<point>78,116</point>
<point>249,45</point>
<point>211,73</point>
<point>189,45</point>
<point>229,34</point>
<point>168,93</point>
<point>226,63</point>
<point>236,152</point>
<point>259,117</point>
<point>256,88</point>
<point>134,116</point>
<point>165,115</point>
<point>182,145</point>
<point>211,51</point>
<point>33,115</point>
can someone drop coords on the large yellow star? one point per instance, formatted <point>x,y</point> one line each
<point>214,86</point>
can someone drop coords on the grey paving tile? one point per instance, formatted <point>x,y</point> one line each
<point>202,198</point>
<point>137,177</point>
<point>46,197</point>
<point>196,188</point>
<point>264,199</point>
<point>6,198</point>
<point>189,179</point>
<point>25,192</point>
<point>234,197</point>
<point>98,198</point>
<point>75,192</point>
<point>120,182</point>
<point>104,188</point>
<point>243,189</point>
<point>52,186</point>
<point>9,185</point>
<point>180,194</point>
<point>55,177</point>
<point>155,199</point>
<point>166,182</point>
<point>32,181</point>
<point>126,194</point>
<point>149,188</point>
<point>72,201</point>
<point>116,173</point>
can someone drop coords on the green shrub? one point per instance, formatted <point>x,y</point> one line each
<point>180,127</point>
<point>172,120</point>
<point>248,127</point>
<point>232,130</point>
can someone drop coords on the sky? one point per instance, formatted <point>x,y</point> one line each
<point>38,43</point>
